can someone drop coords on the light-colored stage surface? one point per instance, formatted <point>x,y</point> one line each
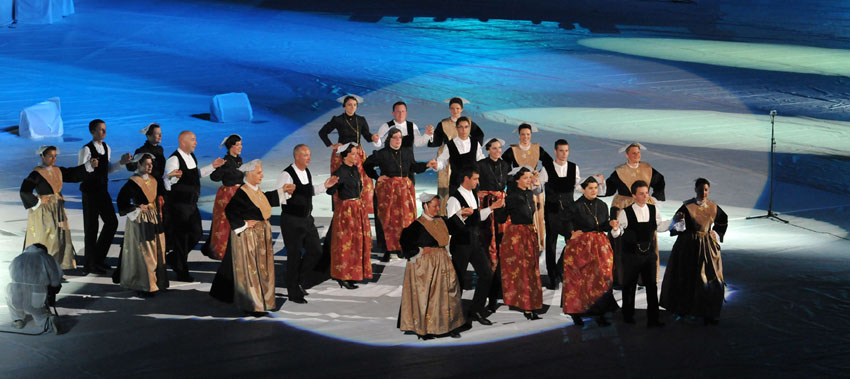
<point>697,97</point>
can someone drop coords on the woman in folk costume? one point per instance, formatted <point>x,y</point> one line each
<point>619,184</point>
<point>519,253</point>
<point>493,180</point>
<point>395,194</point>
<point>47,223</point>
<point>351,242</point>
<point>143,251</point>
<point>446,131</point>
<point>251,246</point>
<point>153,133</point>
<point>588,259</point>
<point>430,297</point>
<point>350,127</point>
<point>231,178</point>
<point>526,153</point>
<point>693,281</point>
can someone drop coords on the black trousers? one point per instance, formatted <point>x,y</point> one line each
<point>98,206</point>
<point>462,256</point>
<point>555,227</point>
<point>643,265</point>
<point>299,233</point>
<point>185,233</point>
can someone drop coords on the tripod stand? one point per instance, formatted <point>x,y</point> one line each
<point>770,214</point>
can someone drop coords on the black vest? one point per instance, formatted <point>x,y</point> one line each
<point>639,237</point>
<point>406,141</point>
<point>300,204</point>
<point>458,161</point>
<point>97,181</point>
<point>471,226</point>
<point>188,187</point>
<point>559,191</point>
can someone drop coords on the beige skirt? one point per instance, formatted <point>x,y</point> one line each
<point>253,268</point>
<point>48,225</point>
<point>143,253</point>
<point>430,298</point>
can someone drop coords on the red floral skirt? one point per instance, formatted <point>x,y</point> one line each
<point>490,229</point>
<point>520,268</point>
<point>588,261</point>
<point>220,228</point>
<point>351,242</point>
<point>396,208</point>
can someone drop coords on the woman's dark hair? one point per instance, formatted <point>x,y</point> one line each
<point>232,140</point>
<point>347,150</point>
<point>524,126</point>
<point>47,149</point>
<point>349,97</point>
<point>151,128</point>
<point>700,182</point>
<point>521,172</point>
<point>390,134</point>
<point>490,143</point>
<point>456,100</point>
<point>587,181</point>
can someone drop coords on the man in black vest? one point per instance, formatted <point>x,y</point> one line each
<point>409,131</point>
<point>560,178</point>
<point>460,153</point>
<point>97,203</point>
<point>464,221</point>
<point>638,224</point>
<point>183,183</point>
<point>296,221</point>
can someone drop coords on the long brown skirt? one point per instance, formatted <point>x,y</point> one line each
<point>253,268</point>
<point>588,261</point>
<point>48,225</point>
<point>430,297</point>
<point>143,253</point>
<point>351,243</point>
<point>519,256</point>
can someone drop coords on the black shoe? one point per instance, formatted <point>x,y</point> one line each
<point>425,337</point>
<point>601,321</point>
<point>298,300</point>
<point>347,284</point>
<point>185,277</point>
<point>476,316</point>
<point>454,334</point>
<point>628,319</point>
<point>386,257</point>
<point>145,294</point>
<point>531,316</point>
<point>654,324</point>
<point>258,314</point>
<point>303,291</point>
<point>103,266</point>
<point>577,320</point>
<point>492,307</point>
<point>94,270</point>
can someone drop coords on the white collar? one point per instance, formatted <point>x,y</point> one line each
<point>700,203</point>
<point>183,153</point>
<point>555,162</point>
<point>464,191</point>
<point>251,186</point>
<point>97,143</point>
<point>461,140</point>
<point>395,122</point>
<point>429,218</point>
<point>630,165</point>
<point>144,176</point>
<point>294,167</point>
<point>524,148</point>
<point>48,168</point>
<point>638,205</point>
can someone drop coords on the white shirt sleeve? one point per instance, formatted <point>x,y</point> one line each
<point>319,189</point>
<point>661,226</point>
<point>453,208</point>
<point>624,223</point>
<point>485,213</point>
<point>382,131</point>
<point>283,179</point>
<point>206,170</point>
<point>241,229</point>
<point>134,215</point>
<point>578,182</point>
<point>543,177</point>
<point>38,204</point>
<point>478,154</point>
<point>420,139</point>
<point>442,159</point>
<point>171,164</point>
<point>84,157</point>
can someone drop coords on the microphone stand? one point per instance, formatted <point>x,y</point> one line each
<point>770,214</point>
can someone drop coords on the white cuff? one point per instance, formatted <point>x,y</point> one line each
<point>134,215</point>
<point>241,229</point>
<point>38,204</point>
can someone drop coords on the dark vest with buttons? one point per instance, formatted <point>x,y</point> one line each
<point>300,204</point>
<point>639,237</point>
<point>188,187</point>
<point>472,224</point>
<point>97,181</point>
<point>559,190</point>
<point>458,161</point>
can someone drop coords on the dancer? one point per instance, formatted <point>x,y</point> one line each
<point>411,136</point>
<point>526,153</point>
<point>350,127</point>
<point>464,218</point>
<point>493,178</point>
<point>519,253</point>
<point>97,203</point>
<point>588,259</point>
<point>693,281</point>
<point>47,223</point>
<point>430,297</point>
<point>638,224</point>
<point>183,183</point>
<point>296,221</point>
<point>231,178</point>
<point>153,133</point>
<point>142,266</point>
<point>461,152</point>
<point>619,184</point>
<point>351,242</point>
<point>447,131</point>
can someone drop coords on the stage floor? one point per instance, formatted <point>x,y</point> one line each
<point>695,88</point>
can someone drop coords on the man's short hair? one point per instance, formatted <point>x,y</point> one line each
<point>94,123</point>
<point>638,184</point>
